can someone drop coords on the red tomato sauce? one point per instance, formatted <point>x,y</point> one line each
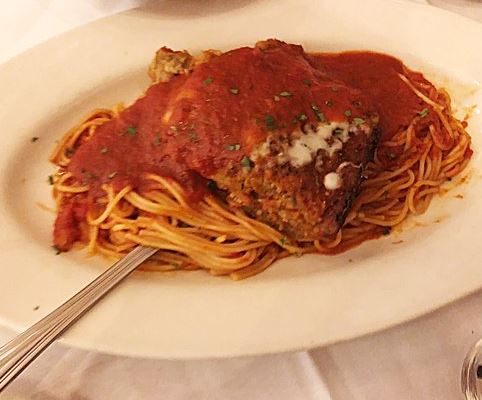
<point>193,125</point>
<point>377,76</point>
<point>196,124</point>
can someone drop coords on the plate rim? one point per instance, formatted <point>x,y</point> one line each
<point>109,348</point>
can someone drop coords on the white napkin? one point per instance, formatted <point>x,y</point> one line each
<point>419,360</point>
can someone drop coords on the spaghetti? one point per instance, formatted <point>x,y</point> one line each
<point>408,170</point>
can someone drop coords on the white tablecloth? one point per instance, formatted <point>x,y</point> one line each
<point>418,360</point>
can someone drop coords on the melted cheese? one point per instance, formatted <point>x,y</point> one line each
<point>332,181</point>
<point>260,151</point>
<point>304,148</point>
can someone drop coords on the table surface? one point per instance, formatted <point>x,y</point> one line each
<point>417,360</point>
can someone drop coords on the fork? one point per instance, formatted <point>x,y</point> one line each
<point>17,354</point>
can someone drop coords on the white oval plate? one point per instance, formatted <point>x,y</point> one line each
<point>299,302</point>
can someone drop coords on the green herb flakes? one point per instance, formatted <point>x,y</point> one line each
<point>423,113</point>
<point>208,81</point>
<point>193,137</point>
<point>358,121</point>
<point>329,103</point>
<point>270,123</point>
<point>234,90</point>
<point>347,113</point>
<point>157,140</point>
<point>302,117</point>
<point>282,241</point>
<point>286,94</point>
<point>247,163</point>
<point>233,147</point>
<point>131,131</point>
<point>319,115</point>
<point>337,131</point>
<point>51,179</point>
<point>307,82</point>
<point>88,174</point>
<point>57,250</point>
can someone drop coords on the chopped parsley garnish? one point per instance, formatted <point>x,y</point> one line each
<point>173,128</point>
<point>57,250</point>
<point>112,175</point>
<point>286,94</point>
<point>307,82</point>
<point>319,115</point>
<point>294,121</point>
<point>282,241</point>
<point>356,103</point>
<point>88,174</point>
<point>51,180</point>
<point>347,113</point>
<point>423,113</point>
<point>276,98</point>
<point>104,150</point>
<point>207,81</point>
<point>69,151</point>
<point>193,137</point>
<point>258,121</point>
<point>36,308</point>
<point>233,147</point>
<point>334,89</point>
<point>131,131</point>
<point>270,123</point>
<point>358,121</point>
<point>302,117</point>
<point>386,230</point>
<point>34,139</point>
<point>329,103</point>
<point>234,90</point>
<point>283,125</point>
<point>247,163</point>
<point>157,140</point>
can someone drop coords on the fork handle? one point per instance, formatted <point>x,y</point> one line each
<point>17,354</point>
